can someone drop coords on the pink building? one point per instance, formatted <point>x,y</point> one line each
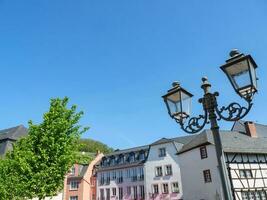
<point>80,183</point>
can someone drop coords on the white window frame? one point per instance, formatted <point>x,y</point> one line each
<point>153,189</point>
<point>72,184</point>
<point>175,189</point>
<point>163,189</point>
<point>166,171</point>
<point>73,198</point>
<point>156,171</point>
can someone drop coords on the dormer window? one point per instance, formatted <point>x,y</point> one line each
<point>131,157</point>
<point>120,159</point>
<point>162,152</point>
<point>104,162</point>
<point>141,155</point>
<point>112,160</point>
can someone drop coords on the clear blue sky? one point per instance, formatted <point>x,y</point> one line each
<point>115,58</point>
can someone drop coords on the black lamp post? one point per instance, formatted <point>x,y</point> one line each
<point>241,71</point>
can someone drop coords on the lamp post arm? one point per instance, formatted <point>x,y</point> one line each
<point>233,112</point>
<point>194,124</point>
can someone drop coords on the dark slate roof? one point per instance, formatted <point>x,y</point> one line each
<point>13,133</point>
<point>184,139</point>
<point>10,135</point>
<point>181,139</point>
<point>82,170</point>
<point>260,128</point>
<point>125,151</point>
<point>232,141</point>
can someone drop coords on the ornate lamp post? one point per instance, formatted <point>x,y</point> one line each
<point>241,71</point>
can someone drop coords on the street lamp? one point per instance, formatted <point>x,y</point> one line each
<point>241,71</point>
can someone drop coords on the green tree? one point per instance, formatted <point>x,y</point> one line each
<point>39,162</point>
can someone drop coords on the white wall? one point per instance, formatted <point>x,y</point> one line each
<point>192,166</point>
<point>154,161</point>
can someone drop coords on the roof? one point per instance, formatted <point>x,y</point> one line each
<point>232,141</point>
<point>13,133</point>
<point>123,151</point>
<point>181,139</point>
<point>10,135</point>
<point>260,128</point>
<point>82,170</point>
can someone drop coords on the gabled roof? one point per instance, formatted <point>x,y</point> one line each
<point>181,139</point>
<point>13,133</point>
<point>10,135</point>
<point>232,141</point>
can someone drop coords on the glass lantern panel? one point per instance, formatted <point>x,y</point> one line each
<point>239,74</point>
<point>186,103</point>
<point>253,74</point>
<point>174,107</point>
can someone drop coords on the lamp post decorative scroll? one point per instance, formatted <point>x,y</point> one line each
<point>241,71</point>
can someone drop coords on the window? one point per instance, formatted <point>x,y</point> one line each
<point>141,156</point>
<point>207,176</point>
<point>168,170</point>
<point>263,195</point>
<point>113,175</point>
<point>158,171</point>
<point>73,197</point>
<point>107,178</point>
<point>135,192</point>
<point>203,152</point>
<point>255,195</point>
<point>155,189</point>
<point>128,173</point>
<point>120,193</point>
<point>142,191</point>
<point>102,195</point>
<point>72,172</point>
<point>112,161</point>
<point>165,188</point>
<point>141,174</point>
<point>74,185</point>
<point>128,190</point>
<point>102,179</point>
<point>134,174</point>
<point>175,187</point>
<point>131,157</point>
<point>162,152</point>
<point>108,194</point>
<point>120,178</point>
<point>245,173</point>
<point>113,191</point>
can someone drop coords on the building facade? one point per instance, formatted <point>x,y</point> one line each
<point>162,170</point>
<point>80,183</point>
<point>120,175</point>
<point>245,154</point>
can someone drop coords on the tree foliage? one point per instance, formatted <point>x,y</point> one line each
<point>89,145</point>
<point>39,162</point>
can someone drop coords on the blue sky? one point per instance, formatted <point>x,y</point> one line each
<point>115,58</point>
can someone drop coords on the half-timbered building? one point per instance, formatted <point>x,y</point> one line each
<point>245,158</point>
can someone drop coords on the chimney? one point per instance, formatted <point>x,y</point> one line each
<point>250,129</point>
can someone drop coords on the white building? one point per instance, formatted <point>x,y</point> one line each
<point>245,153</point>
<point>162,170</point>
